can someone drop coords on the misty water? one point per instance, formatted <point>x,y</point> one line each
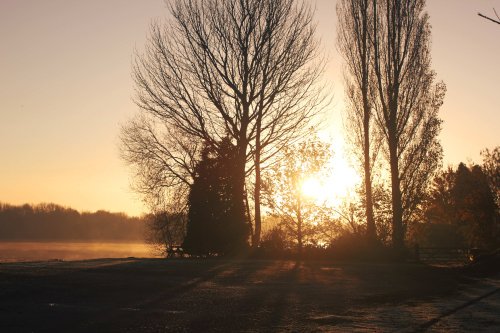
<point>41,251</point>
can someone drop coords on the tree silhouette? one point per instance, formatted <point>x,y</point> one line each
<point>491,167</point>
<point>165,230</point>
<point>217,224</point>
<point>476,208</point>
<point>163,160</point>
<point>354,41</point>
<point>301,215</point>
<point>440,207</point>
<point>406,104</point>
<point>464,199</point>
<point>246,69</point>
<point>51,222</point>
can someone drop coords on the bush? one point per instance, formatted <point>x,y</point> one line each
<point>357,247</point>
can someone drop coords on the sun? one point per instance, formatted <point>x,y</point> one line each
<point>333,186</point>
<point>311,187</point>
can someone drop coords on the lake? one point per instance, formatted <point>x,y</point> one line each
<point>36,251</point>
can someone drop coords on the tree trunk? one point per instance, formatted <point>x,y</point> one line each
<point>258,220</point>
<point>239,190</point>
<point>397,207</point>
<point>299,227</point>
<point>371,232</point>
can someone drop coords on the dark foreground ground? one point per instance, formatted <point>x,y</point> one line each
<point>186,295</point>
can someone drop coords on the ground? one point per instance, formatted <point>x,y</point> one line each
<point>188,295</point>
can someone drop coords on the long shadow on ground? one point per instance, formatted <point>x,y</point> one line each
<point>156,295</point>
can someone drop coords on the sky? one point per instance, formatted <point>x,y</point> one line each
<point>66,88</point>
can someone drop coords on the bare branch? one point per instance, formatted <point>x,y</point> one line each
<point>489,18</point>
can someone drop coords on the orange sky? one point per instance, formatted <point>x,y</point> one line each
<point>65,88</point>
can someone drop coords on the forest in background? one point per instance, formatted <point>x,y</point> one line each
<point>51,222</point>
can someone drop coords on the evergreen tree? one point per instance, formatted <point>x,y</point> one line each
<point>464,200</point>
<point>217,224</point>
<point>491,168</point>
<point>475,206</point>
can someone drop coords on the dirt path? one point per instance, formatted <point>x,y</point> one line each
<point>154,295</point>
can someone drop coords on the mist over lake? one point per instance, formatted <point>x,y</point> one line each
<point>42,251</point>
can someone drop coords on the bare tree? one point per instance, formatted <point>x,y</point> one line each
<point>302,216</point>
<point>355,25</point>
<point>163,161</point>
<point>407,102</point>
<point>243,69</point>
<point>161,156</point>
<point>167,225</point>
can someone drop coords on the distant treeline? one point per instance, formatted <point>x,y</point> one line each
<point>51,222</point>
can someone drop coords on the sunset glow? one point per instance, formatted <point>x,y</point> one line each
<point>67,88</point>
<point>339,183</point>
<point>312,187</point>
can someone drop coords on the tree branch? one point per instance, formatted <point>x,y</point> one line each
<point>488,18</point>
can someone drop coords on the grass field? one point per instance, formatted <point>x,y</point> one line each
<point>189,295</point>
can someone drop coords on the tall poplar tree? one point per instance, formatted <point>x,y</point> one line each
<point>355,26</point>
<point>406,102</point>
